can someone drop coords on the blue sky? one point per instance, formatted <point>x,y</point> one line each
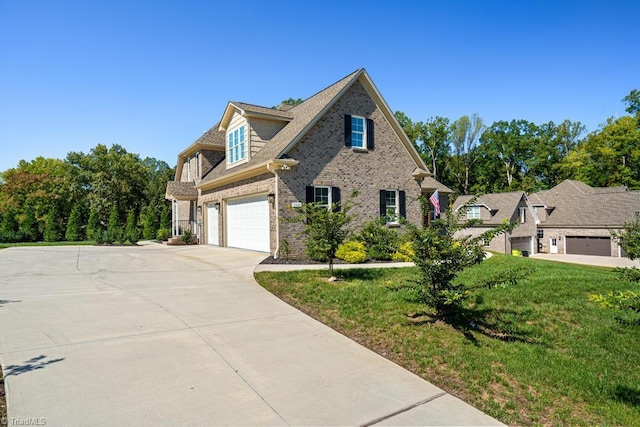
<point>154,75</point>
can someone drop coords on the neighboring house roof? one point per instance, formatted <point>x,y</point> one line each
<point>576,204</point>
<point>501,205</point>
<point>302,118</point>
<point>181,190</point>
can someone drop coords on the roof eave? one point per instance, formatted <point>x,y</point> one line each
<point>250,172</point>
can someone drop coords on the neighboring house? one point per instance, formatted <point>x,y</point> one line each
<point>578,219</point>
<point>236,184</point>
<point>494,209</point>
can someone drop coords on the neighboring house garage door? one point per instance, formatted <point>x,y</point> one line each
<point>248,223</point>
<point>582,245</point>
<point>521,243</point>
<point>212,224</point>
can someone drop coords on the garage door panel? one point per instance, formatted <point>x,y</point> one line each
<point>212,224</point>
<point>588,245</point>
<point>521,243</point>
<point>248,223</point>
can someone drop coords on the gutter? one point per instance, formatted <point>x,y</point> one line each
<point>249,172</point>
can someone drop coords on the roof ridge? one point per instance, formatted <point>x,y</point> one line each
<point>348,76</point>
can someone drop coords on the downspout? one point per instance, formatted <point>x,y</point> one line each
<point>275,173</point>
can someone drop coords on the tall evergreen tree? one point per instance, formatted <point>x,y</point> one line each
<point>52,231</point>
<point>131,232</point>
<point>29,226</point>
<point>74,225</point>
<point>94,229</point>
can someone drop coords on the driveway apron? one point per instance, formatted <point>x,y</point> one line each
<point>157,335</point>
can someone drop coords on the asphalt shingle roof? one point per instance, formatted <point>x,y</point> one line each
<point>574,203</point>
<point>182,190</point>
<point>502,204</point>
<point>301,116</point>
<point>251,108</point>
<point>213,136</point>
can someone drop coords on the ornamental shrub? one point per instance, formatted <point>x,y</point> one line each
<point>381,242</point>
<point>404,253</point>
<point>352,252</point>
<point>164,234</point>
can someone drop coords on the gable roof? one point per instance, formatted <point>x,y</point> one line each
<point>181,191</point>
<point>251,110</point>
<point>302,118</point>
<point>576,204</point>
<point>502,205</point>
<point>213,139</point>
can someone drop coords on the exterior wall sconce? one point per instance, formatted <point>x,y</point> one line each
<point>271,198</point>
<point>199,210</point>
<point>217,205</point>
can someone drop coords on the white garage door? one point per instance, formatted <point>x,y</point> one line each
<point>248,223</point>
<point>212,224</point>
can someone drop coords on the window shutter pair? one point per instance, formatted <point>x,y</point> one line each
<point>347,132</point>
<point>335,196</point>
<point>402,201</point>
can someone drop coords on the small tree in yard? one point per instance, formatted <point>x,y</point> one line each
<point>94,229</point>
<point>629,238</point>
<point>325,228</point>
<point>627,301</point>
<point>440,257</point>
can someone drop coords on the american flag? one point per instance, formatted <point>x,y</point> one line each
<point>435,201</point>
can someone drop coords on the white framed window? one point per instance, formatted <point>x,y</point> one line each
<point>473,212</point>
<point>358,132</point>
<point>236,145</point>
<point>197,165</point>
<point>523,215</point>
<point>392,205</point>
<point>188,168</point>
<point>322,196</point>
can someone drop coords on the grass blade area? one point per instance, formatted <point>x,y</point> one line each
<point>14,245</point>
<point>537,352</point>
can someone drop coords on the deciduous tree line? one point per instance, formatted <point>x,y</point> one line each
<point>107,195</point>
<point>473,158</point>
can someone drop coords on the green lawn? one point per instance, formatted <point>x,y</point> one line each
<point>13,245</point>
<point>537,352</point>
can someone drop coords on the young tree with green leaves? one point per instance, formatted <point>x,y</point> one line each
<point>440,257</point>
<point>325,228</point>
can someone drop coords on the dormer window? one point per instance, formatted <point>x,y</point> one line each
<point>236,145</point>
<point>473,212</point>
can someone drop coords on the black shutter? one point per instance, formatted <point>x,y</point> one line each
<point>370,138</point>
<point>335,198</point>
<point>347,130</point>
<point>403,204</point>
<point>310,194</point>
<point>383,203</point>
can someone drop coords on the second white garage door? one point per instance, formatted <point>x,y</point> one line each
<point>248,223</point>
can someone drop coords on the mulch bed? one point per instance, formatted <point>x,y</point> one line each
<point>306,261</point>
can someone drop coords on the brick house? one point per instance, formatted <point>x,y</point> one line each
<point>495,208</point>
<point>570,218</point>
<point>236,183</point>
<point>576,218</point>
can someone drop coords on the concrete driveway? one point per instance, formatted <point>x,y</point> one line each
<point>599,261</point>
<point>158,335</point>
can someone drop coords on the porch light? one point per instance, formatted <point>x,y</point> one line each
<point>271,198</point>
